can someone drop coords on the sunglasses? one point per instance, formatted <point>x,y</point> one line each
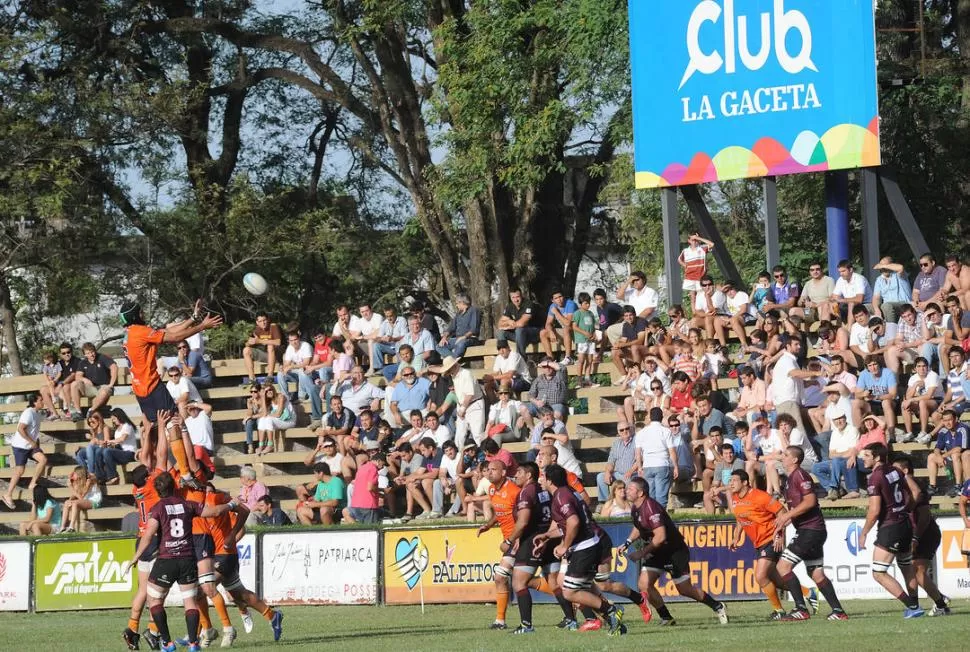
<point>501,393</point>
<point>779,276</point>
<point>924,264</point>
<point>174,375</point>
<point>656,387</point>
<point>66,352</point>
<point>674,424</point>
<point>623,430</point>
<point>407,375</point>
<point>706,285</point>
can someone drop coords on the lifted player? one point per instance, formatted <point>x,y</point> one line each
<point>578,547</point>
<point>890,504</point>
<point>926,541</point>
<point>171,519</point>
<point>808,543</point>
<point>664,551</point>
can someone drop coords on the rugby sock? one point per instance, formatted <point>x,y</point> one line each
<point>152,627</point>
<point>524,599</point>
<point>772,592</point>
<point>564,604</point>
<point>828,592</point>
<point>664,612</point>
<point>267,612</point>
<point>634,596</point>
<point>192,625</point>
<point>161,621</point>
<point>940,602</point>
<point>203,610</point>
<point>540,584</point>
<point>177,448</point>
<point>588,613</point>
<point>133,624</point>
<point>220,604</point>
<point>907,600</point>
<point>709,601</point>
<point>501,604</point>
<point>605,606</point>
<point>795,589</point>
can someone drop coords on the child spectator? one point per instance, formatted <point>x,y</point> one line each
<point>584,328</point>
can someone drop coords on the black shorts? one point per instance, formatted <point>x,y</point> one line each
<point>808,545</point>
<point>897,538</point>
<point>228,567</point>
<point>21,455</point>
<point>204,546</point>
<point>151,551</point>
<point>929,543</point>
<point>157,399</point>
<point>768,551</point>
<point>606,548</point>
<point>525,556</point>
<point>673,561</point>
<point>167,572</point>
<point>583,564</point>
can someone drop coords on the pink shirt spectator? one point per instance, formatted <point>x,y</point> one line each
<point>753,397</point>
<point>249,495</point>
<point>874,436</point>
<point>505,457</point>
<point>846,379</point>
<point>343,363</point>
<point>363,498</point>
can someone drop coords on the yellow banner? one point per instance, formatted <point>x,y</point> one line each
<point>443,565</point>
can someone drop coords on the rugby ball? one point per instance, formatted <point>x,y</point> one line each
<point>255,284</point>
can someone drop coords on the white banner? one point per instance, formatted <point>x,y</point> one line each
<point>952,575</point>
<point>848,567</point>
<point>15,576</point>
<point>246,549</point>
<point>326,567</point>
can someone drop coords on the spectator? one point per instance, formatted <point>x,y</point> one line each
<point>656,457</point>
<point>629,346</point>
<point>435,429</point>
<point>182,390</point>
<point>199,424</point>
<point>276,415</point>
<point>754,395</point>
<point>192,362</point>
<point>45,515</point>
<point>719,496</point>
<point>850,290</point>
<point>358,394</point>
<point>327,501</point>
<point>446,484</point>
<point>816,294</point>
<point>95,378</point>
<point>441,395</point>
<point>261,346</point>
<point>783,293</point>
<point>520,321</point>
<point>708,304</point>
<point>365,501</point>
<point>504,421</point>
<point>85,495</point>
<point>296,367</point>
<point>923,393</point>
<point>345,325</point>
<point>736,315</point>
<point>390,335</point>
<point>250,489</point>
<point>619,463</point>
<point>96,434</point>
<point>422,346</point>
<point>428,321</point>
<point>409,394</point>
<point>61,386</point>
<point>694,261</point>
<point>267,514</point>
<point>326,452</point>
<point>584,328</point>
<point>790,435</point>
<point>120,449</point>
<point>510,369</point>
<point>470,410</point>
<point>957,281</point>
<point>616,505</point>
<point>404,462</point>
<point>762,451</point>
<point>952,448</point>
<point>463,331</point>
<point>406,360</point>
<point>339,422</point>
<point>492,451</point>
<point>559,326</point>
<point>366,331</point>
<point>609,317</point>
<point>956,398</point>
<point>253,408</point>
<point>909,338</point>
<point>25,443</point>
<point>415,433</point>
<point>928,284</point>
<point>367,429</point>
<point>635,292</point>
<point>876,393</point>
<point>549,389</point>
<point>321,365</point>
<point>842,460</point>
<point>785,391</point>
<point>51,371</point>
<point>891,291</point>
<point>558,450</point>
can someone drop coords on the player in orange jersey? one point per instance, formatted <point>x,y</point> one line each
<point>226,531</point>
<point>755,511</point>
<point>141,349</point>
<point>503,494</point>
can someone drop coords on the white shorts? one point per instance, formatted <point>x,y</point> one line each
<point>692,286</point>
<point>589,348</point>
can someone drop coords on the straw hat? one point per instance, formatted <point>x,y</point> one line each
<point>449,362</point>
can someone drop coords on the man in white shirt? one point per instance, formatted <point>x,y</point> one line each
<point>366,330</point>
<point>391,333</point>
<point>842,462</point>
<point>296,360</point>
<point>850,289</point>
<point>470,411</point>
<point>509,368</point>
<point>358,394</point>
<point>785,391</point>
<point>26,446</point>
<point>182,389</point>
<point>838,400</point>
<point>707,304</point>
<point>656,457</point>
<point>199,425</point>
<point>736,304</point>
<point>635,292</point>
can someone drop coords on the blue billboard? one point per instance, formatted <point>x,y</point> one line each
<point>730,89</point>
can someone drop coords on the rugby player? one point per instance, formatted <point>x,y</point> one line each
<point>579,546</point>
<point>890,505</point>
<point>926,539</point>
<point>664,551</point>
<point>808,543</point>
<point>533,514</point>
<point>171,519</point>
<point>547,456</point>
<point>755,511</point>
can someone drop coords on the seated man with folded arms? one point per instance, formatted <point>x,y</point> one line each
<point>96,377</point>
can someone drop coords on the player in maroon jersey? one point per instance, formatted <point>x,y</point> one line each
<point>171,518</point>
<point>926,540</point>
<point>579,546</point>
<point>890,504</point>
<point>665,552</point>
<point>808,542</point>
<point>533,514</point>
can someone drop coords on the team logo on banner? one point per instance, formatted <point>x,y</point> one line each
<point>411,560</point>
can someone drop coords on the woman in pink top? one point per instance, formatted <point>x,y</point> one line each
<point>250,490</point>
<point>874,431</point>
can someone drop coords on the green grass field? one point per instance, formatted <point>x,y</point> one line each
<point>874,625</point>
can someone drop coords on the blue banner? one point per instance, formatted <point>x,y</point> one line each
<point>729,89</point>
<point>714,568</point>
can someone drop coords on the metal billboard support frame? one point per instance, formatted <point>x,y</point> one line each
<point>671,236</point>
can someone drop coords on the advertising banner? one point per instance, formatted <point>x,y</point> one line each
<point>70,575</point>
<point>731,89</point>
<point>847,566</point>
<point>324,567</point>
<point>724,573</point>
<point>246,549</point>
<point>15,576</point>
<point>952,573</point>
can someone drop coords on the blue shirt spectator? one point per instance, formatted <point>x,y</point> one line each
<point>947,439</point>
<point>201,371</point>
<point>568,307</point>
<point>893,288</point>
<point>411,397</point>
<point>878,384</point>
